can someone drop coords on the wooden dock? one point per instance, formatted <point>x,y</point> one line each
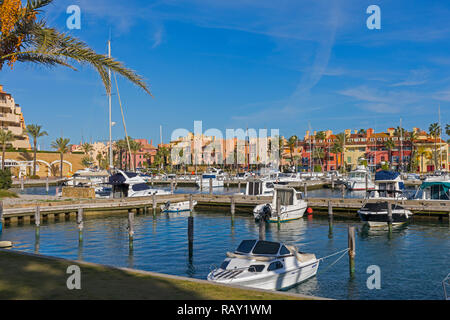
<point>244,204</point>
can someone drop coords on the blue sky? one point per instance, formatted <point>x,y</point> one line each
<point>280,64</point>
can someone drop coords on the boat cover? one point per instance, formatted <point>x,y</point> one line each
<point>445,185</point>
<point>386,175</point>
<point>302,257</point>
<point>117,179</point>
<point>243,256</point>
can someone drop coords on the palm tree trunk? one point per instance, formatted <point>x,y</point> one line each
<point>61,167</point>
<point>34,159</point>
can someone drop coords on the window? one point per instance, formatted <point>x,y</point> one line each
<point>224,265</point>
<point>266,247</point>
<point>256,268</point>
<point>246,246</point>
<point>275,266</point>
<point>284,251</point>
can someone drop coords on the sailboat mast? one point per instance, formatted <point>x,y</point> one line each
<point>401,146</point>
<point>109,101</point>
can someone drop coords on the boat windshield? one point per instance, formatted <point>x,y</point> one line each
<point>266,247</point>
<point>140,187</point>
<point>246,246</point>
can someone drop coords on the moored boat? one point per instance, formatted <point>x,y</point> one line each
<point>291,203</point>
<point>265,265</point>
<point>178,206</point>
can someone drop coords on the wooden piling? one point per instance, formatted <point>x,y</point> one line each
<point>262,229</point>
<point>210,186</point>
<point>191,204</point>
<point>305,190</point>
<point>389,211</point>
<point>21,183</point>
<point>46,185</point>
<point>190,230</point>
<point>154,203</point>
<point>80,223</point>
<point>278,210</point>
<point>130,225</point>
<point>351,249</point>
<point>343,191</point>
<point>37,216</point>
<point>330,218</point>
<point>332,181</point>
<point>233,207</point>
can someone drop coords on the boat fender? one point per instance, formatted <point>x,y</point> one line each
<point>309,210</point>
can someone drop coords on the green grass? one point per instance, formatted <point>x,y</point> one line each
<point>7,194</point>
<point>34,277</point>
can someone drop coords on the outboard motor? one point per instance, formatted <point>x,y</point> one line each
<point>166,205</point>
<point>266,212</point>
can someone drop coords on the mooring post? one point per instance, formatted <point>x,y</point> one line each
<point>305,190</point>
<point>233,208</point>
<point>389,211</point>
<point>367,187</point>
<point>351,249</point>
<point>210,185</point>
<point>130,226</point>
<point>171,186</point>
<point>37,219</point>
<point>262,229</point>
<point>278,210</point>
<point>151,179</point>
<point>239,186</point>
<point>330,218</point>
<point>343,191</point>
<point>80,224</point>
<point>154,203</point>
<point>332,181</point>
<point>201,183</point>
<point>191,203</point>
<point>21,183</point>
<point>190,235</point>
<point>46,185</point>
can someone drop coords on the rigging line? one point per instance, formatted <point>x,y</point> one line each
<point>332,263</point>
<point>123,120</point>
<point>333,254</point>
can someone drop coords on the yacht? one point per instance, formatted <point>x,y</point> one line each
<point>131,184</point>
<point>216,176</point>
<point>292,206</point>
<point>87,177</point>
<point>357,179</point>
<point>265,265</point>
<point>434,190</point>
<point>388,187</point>
<point>177,207</point>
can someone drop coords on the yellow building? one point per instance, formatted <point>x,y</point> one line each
<point>11,118</point>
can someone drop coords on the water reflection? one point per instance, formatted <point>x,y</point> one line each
<point>414,260</point>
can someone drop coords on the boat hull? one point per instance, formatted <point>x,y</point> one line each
<point>278,281</point>
<point>376,214</point>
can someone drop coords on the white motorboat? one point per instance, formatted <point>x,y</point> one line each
<point>434,190</point>
<point>259,187</point>
<point>388,187</point>
<point>289,177</point>
<point>357,179</point>
<point>130,184</point>
<point>214,177</point>
<point>291,202</point>
<point>265,265</point>
<point>177,207</point>
<point>87,177</point>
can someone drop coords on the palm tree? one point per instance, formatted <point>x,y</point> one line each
<point>362,131</point>
<point>62,146</point>
<point>292,142</point>
<point>389,145</point>
<point>26,37</point>
<point>87,148</point>
<point>339,147</point>
<point>435,131</point>
<point>135,146</point>
<point>35,132</point>
<point>5,137</point>
<point>447,130</point>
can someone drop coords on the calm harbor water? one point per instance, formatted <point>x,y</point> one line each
<point>413,260</point>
